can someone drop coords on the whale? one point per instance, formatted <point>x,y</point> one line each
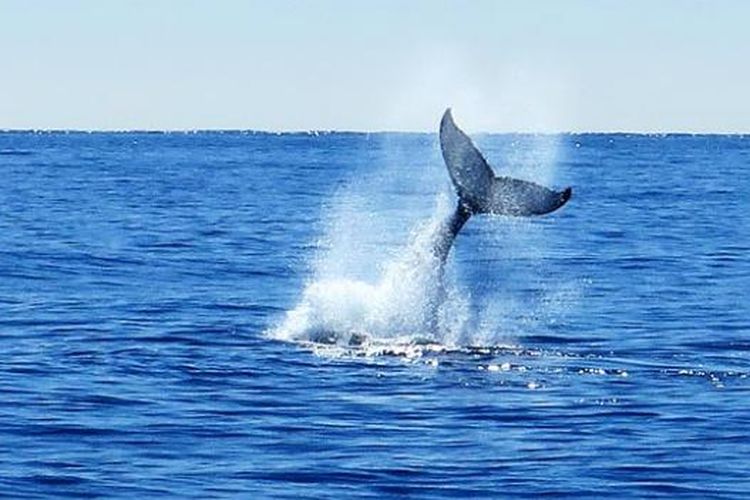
<point>481,192</point>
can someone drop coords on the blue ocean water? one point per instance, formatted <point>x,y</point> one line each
<point>177,309</point>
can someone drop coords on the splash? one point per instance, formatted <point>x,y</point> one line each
<point>393,310</point>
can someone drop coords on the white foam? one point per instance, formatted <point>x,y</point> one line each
<point>392,309</point>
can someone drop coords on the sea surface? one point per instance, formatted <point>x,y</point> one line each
<point>199,315</point>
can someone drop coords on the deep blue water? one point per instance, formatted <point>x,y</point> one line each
<point>144,280</point>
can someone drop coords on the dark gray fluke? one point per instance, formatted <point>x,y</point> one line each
<point>478,187</point>
<point>481,192</point>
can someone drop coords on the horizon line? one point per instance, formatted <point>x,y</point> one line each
<point>353,131</point>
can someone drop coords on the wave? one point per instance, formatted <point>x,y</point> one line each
<point>15,152</point>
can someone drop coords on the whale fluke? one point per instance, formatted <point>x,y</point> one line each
<point>480,191</point>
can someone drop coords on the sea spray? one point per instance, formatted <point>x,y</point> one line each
<point>395,308</point>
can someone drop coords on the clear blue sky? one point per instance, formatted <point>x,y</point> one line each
<point>657,65</point>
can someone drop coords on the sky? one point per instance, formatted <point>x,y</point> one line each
<point>371,65</point>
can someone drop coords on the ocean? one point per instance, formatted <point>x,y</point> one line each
<point>240,314</point>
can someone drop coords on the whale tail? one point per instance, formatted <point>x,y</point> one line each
<point>480,191</point>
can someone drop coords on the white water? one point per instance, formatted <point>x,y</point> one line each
<point>393,309</point>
